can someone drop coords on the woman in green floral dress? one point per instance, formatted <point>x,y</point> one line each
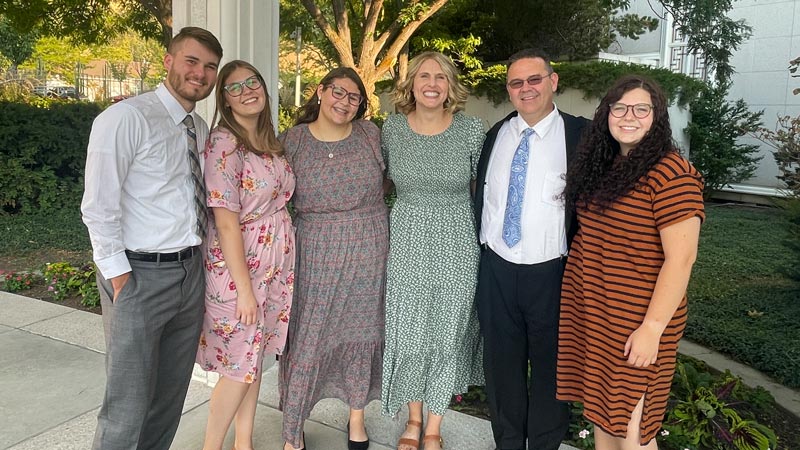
<point>432,344</point>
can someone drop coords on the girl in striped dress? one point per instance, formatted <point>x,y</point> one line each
<point>623,304</point>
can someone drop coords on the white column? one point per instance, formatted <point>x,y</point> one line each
<point>247,30</point>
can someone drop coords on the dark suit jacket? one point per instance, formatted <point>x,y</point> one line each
<point>573,128</point>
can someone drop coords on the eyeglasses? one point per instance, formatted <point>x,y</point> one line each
<point>339,93</point>
<point>236,89</point>
<point>532,80</point>
<point>640,110</point>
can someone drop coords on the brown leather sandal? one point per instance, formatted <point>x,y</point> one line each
<point>414,443</point>
<point>434,438</point>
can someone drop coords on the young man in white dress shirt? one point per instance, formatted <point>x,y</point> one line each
<point>524,233</point>
<point>142,206</point>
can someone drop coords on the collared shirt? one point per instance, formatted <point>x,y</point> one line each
<point>544,234</point>
<point>139,193</point>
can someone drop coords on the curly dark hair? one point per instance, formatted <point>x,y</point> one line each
<point>599,175</point>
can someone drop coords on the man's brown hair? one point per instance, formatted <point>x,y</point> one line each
<point>201,35</point>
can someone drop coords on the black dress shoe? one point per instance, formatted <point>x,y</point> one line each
<point>355,445</point>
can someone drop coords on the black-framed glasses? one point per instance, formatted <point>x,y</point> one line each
<point>640,110</point>
<point>339,93</point>
<point>532,80</point>
<point>236,89</point>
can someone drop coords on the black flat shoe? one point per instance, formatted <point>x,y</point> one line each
<point>355,445</point>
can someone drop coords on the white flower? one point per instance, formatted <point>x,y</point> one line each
<point>583,433</point>
<point>665,432</point>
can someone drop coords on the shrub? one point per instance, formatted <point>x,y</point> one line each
<point>592,78</point>
<point>65,280</point>
<point>84,282</point>
<point>785,140</point>
<point>23,188</point>
<point>44,148</point>
<point>18,281</point>
<point>57,276</point>
<point>714,412</point>
<point>286,116</point>
<point>705,411</point>
<point>580,429</point>
<point>713,132</point>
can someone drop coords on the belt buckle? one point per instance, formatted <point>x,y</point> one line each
<point>185,254</point>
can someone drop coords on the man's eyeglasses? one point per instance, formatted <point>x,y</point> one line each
<point>640,110</point>
<point>339,93</point>
<point>236,89</point>
<point>532,80</point>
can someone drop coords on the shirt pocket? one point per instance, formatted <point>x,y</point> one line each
<point>553,188</point>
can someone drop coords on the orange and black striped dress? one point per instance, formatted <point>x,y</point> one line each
<point>610,276</point>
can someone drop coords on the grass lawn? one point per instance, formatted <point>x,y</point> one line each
<point>59,229</point>
<point>741,301</point>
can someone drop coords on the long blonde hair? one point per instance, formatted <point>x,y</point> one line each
<point>265,131</point>
<point>403,95</point>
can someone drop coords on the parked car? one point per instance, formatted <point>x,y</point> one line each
<point>42,91</point>
<point>65,92</point>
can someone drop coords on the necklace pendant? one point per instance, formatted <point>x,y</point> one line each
<point>330,155</point>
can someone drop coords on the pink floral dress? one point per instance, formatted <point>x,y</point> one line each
<point>258,188</point>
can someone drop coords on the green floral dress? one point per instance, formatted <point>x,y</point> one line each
<point>433,349</point>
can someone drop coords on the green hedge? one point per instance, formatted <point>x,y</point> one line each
<point>592,78</point>
<point>44,152</point>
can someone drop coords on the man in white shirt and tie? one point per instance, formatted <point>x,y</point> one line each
<point>524,232</point>
<point>144,206</point>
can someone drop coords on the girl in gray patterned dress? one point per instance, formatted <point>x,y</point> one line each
<point>432,344</point>
<point>335,341</point>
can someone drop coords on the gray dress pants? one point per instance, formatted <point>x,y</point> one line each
<point>151,334</point>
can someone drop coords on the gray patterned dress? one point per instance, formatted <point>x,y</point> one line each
<point>335,338</point>
<point>433,349</point>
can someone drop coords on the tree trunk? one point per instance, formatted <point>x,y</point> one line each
<point>162,11</point>
<point>402,64</point>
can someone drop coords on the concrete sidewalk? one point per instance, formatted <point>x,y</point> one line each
<point>52,379</point>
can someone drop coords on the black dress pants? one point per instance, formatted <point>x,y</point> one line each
<point>518,309</point>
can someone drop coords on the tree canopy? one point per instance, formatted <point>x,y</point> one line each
<point>375,37</point>
<point>368,36</point>
<point>708,29</point>
<point>92,21</point>
<point>15,46</point>
<point>566,30</point>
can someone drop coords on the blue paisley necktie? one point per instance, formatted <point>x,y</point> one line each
<point>512,228</point>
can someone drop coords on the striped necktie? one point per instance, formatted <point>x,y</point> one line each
<point>512,227</point>
<point>197,178</point>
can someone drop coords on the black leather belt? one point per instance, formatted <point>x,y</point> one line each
<point>182,255</point>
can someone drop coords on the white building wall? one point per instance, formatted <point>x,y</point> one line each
<point>762,78</point>
<point>647,43</point>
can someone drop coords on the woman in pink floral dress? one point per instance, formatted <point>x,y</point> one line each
<point>250,251</point>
